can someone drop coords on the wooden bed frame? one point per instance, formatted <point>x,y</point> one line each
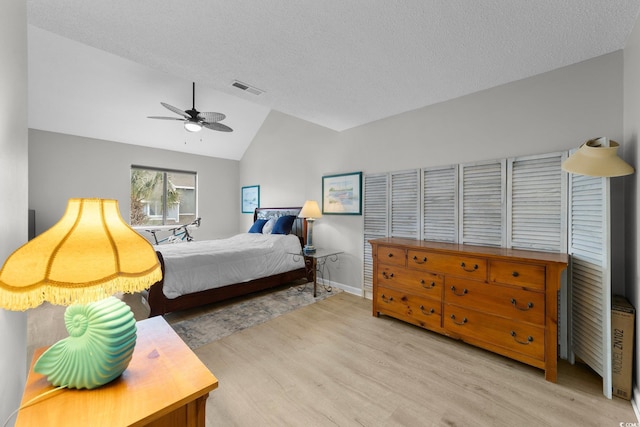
<point>160,304</point>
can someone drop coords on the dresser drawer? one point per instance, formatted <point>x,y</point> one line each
<point>515,336</point>
<point>423,311</point>
<point>513,273</point>
<point>516,303</point>
<point>418,282</point>
<point>391,255</point>
<point>455,265</point>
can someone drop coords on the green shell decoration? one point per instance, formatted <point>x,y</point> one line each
<point>102,336</point>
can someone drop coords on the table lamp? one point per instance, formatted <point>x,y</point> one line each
<point>90,254</point>
<point>311,212</point>
<point>597,157</point>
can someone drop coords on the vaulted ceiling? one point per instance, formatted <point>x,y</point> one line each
<point>99,68</point>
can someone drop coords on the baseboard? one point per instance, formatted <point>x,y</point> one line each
<point>348,289</point>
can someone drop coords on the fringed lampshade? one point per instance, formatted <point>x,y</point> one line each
<point>89,255</point>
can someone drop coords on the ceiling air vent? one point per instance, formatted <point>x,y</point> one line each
<point>247,88</point>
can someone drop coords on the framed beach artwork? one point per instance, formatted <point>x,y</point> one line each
<point>250,198</point>
<point>342,194</point>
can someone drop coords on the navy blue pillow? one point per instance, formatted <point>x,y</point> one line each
<point>257,226</point>
<point>283,225</point>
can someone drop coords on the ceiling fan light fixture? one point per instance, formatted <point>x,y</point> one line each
<point>192,126</point>
<point>194,120</point>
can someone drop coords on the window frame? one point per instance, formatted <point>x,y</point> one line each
<point>165,207</point>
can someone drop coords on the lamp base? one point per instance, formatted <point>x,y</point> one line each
<point>102,336</point>
<point>308,249</point>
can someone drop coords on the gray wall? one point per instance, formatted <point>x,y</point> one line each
<point>550,112</point>
<point>65,166</point>
<point>632,155</point>
<point>13,192</point>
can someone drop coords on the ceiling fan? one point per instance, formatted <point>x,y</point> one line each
<point>195,120</point>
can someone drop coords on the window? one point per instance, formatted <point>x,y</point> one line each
<point>162,196</point>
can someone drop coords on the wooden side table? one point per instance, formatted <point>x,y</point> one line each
<point>164,385</point>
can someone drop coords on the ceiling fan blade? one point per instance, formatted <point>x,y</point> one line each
<point>218,126</point>
<point>165,118</point>
<point>211,117</point>
<point>176,110</point>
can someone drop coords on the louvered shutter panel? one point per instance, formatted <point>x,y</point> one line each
<point>440,204</point>
<point>536,200</point>
<point>589,247</point>
<point>482,207</point>
<point>375,220</point>
<point>405,204</point>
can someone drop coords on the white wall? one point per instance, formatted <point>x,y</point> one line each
<point>631,155</point>
<point>13,191</point>
<point>65,166</point>
<point>550,112</point>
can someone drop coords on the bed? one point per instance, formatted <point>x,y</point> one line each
<point>199,273</point>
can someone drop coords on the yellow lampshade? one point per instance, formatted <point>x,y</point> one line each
<point>310,209</point>
<point>90,254</point>
<point>597,157</point>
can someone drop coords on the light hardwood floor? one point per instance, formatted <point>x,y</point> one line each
<point>333,364</point>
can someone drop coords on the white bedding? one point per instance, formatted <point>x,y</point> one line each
<point>198,266</point>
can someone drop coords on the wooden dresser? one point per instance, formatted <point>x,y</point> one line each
<point>503,300</point>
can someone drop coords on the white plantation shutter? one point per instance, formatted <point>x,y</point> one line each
<point>589,247</point>
<point>482,207</point>
<point>536,200</point>
<point>405,204</point>
<point>523,203</point>
<point>376,216</point>
<point>440,204</point>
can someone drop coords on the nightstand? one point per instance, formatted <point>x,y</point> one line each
<point>164,385</point>
<point>315,260</point>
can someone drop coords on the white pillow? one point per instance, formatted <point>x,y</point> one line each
<point>269,226</point>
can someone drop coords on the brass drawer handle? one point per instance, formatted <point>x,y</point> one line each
<point>527,308</point>
<point>417,261</point>
<point>515,274</point>
<point>386,299</point>
<point>529,339</point>
<point>428,313</point>
<point>464,291</point>
<point>470,270</point>
<point>430,286</point>
<point>464,320</point>
<point>387,276</point>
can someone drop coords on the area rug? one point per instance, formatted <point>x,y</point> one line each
<point>219,320</point>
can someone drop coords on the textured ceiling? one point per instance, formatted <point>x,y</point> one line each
<point>337,63</point>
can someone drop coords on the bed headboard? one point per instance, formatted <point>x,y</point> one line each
<point>299,225</point>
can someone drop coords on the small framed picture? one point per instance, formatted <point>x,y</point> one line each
<point>342,194</point>
<point>250,198</point>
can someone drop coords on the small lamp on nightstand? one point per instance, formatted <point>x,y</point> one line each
<point>311,212</point>
<point>87,256</point>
